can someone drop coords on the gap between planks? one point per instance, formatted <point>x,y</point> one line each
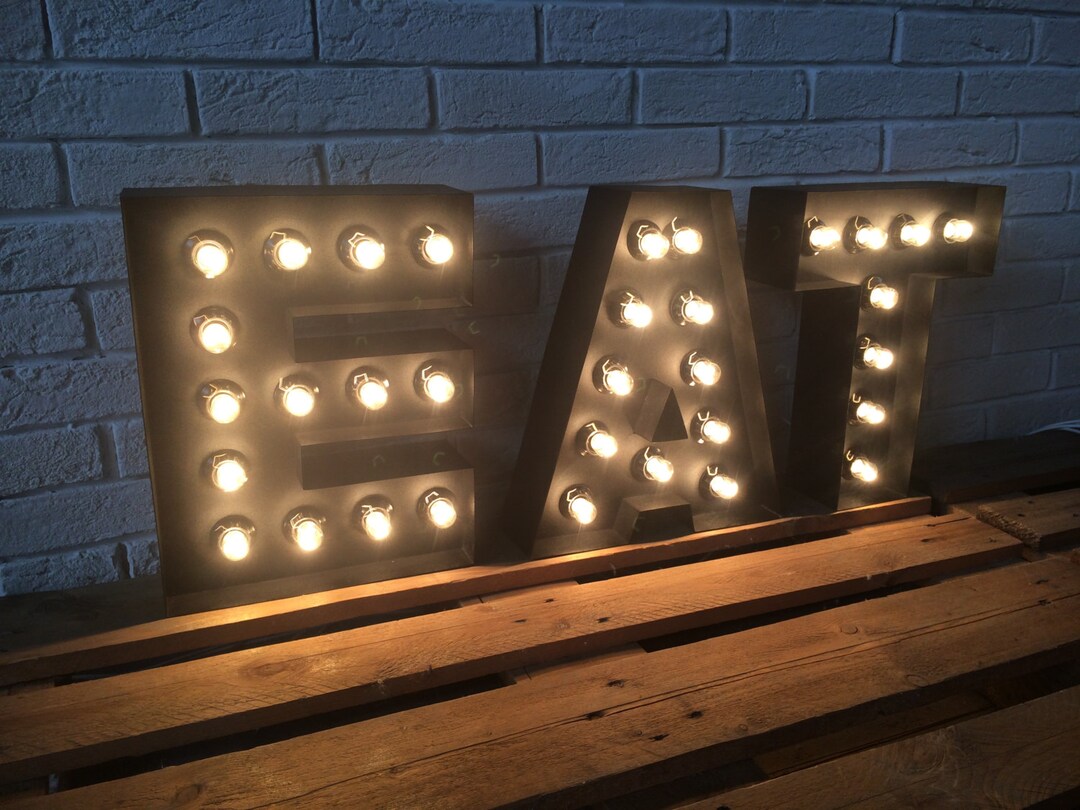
<point>134,713</point>
<point>183,634</point>
<point>612,728</point>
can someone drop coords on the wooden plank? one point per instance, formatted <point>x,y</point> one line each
<point>963,472</point>
<point>1041,521</point>
<point>183,634</point>
<point>83,723</point>
<point>617,727</point>
<point>1016,757</point>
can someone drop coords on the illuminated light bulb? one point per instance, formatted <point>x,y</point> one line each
<point>439,508</point>
<point>436,248</point>
<point>869,413</point>
<point>222,401</point>
<point>210,256</point>
<point>437,385</point>
<point>686,240</point>
<point>634,312</point>
<point>822,237</point>
<point>957,230</point>
<point>615,378</point>
<point>689,307</point>
<point>364,251</point>
<point>375,521</point>
<point>214,330</point>
<point>875,356</point>
<point>914,234</point>
<point>651,242</point>
<point>235,544</point>
<point>595,440</point>
<point>863,469</point>
<point>870,237</point>
<point>657,468</point>
<point>582,509</point>
<point>297,398</point>
<point>233,537</point>
<point>704,371</point>
<point>227,472</point>
<point>287,250</point>
<point>881,295</point>
<point>723,486</point>
<point>370,390</point>
<point>306,530</point>
<point>715,431</point>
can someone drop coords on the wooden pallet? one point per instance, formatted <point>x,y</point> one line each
<point>689,674</point>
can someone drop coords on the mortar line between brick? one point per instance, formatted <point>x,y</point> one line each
<point>191,97</point>
<point>541,33</point>
<point>49,45</point>
<point>315,29</point>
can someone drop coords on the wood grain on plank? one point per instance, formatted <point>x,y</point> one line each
<point>1041,521</point>
<point>83,723</point>
<point>180,634</point>
<point>620,726</point>
<point>1015,757</point>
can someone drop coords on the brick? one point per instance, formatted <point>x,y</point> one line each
<point>1072,285</point>
<point>324,100</point>
<point>130,441</point>
<point>826,149</point>
<point>551,98</point>
<point>913,147</point>
<point>506,284</point>
<point>74,517</point>
<point>1050,141</point>
<point>987,378</point>
<point>1014,92</point>
<point>630,157</point>
<point>1012,287</point>
<point>518,221</point>
<point>1025,414</point>
<point>1028,6</point>
<point>31,176</point>
<point>1037,238</point>
<point>57,572</point>
<point>40,323</point>
<point>1074,192</point>
<point>553,268</point>
<point>1056,40</point>
<point>1032,192</point>
<point>23,33</point>
<point>87,103</point>
<point>951,39</point>
<point>61,252</point>
<point>1039,328</point>
<point>472,162</point>
<point>112,318</point>
<point>884,93</point>
<point>45,458</point>
<point>811,35</point>
<point>426,32</point>
<point>99,171</point>
<point>614,35</point>
<point>715,96</point>
<point>134,29</point>
<point>953,426</point>
<point>1067,368</point>
<point>142,556</point>
<point>960,339</point>
<point>57,392</point>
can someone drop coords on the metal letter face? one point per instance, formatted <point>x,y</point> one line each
<point>866,307</point>
<point>302,315</point>
<point>649,380</point>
